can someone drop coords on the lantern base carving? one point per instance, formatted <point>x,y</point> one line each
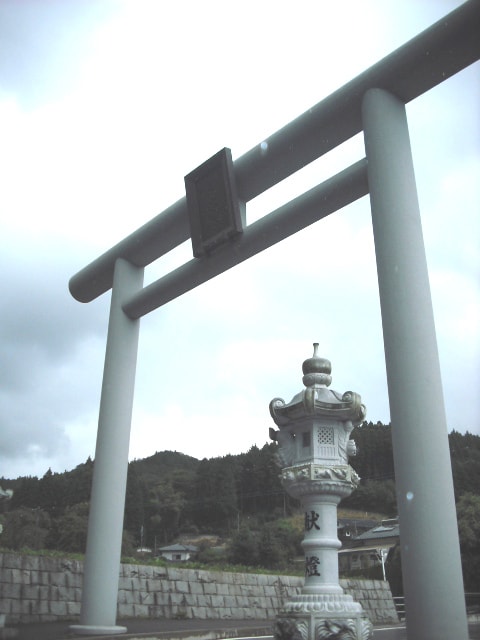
<point>322,617</point>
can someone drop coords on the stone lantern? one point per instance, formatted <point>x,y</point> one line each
<point>314,446</point>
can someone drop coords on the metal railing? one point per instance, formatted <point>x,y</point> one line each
<point>399,602</point>
<point>472,604</point>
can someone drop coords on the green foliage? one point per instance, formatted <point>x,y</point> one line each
<point>54,492</point>
<point>170,494</point>
<point>163,465</point>
<point>468,515</point>
<point>258,486</point>
<point>69,531</point>
<point>273,546</point>
<point>232,488</point>
<point>166,476</point>
<point>79,483</point>
<point>214,504</point>
<point>465,454</point>
<point>393,570</point>
<point>279,543</point>
<point>373,495</point>
<point>243,548</point>
<point>24,527</point>
<point>128,544</point>
<point>25,492</point>
<point>208,556</point>
<point>134,502</point>
<point>374,459</point>
<point>163,510</point>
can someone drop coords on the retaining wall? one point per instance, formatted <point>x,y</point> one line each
<point>41,589</point>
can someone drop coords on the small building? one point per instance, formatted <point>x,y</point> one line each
<point>177,552</point>
<point>349,528</point>
<point>370,549</point>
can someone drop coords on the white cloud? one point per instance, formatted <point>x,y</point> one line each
<point>100,124</point>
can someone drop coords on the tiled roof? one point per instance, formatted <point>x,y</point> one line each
<point>360,523</point>
<point>382,531</point>
<point>179,547</point>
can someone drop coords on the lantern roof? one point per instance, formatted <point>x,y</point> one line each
<point>317,399</point>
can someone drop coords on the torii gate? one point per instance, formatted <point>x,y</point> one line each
<point>375,103</point>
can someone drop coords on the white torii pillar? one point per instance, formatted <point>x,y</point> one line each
<point>432,570</point>
<point>104,541</point>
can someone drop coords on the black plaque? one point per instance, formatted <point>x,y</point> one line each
<point>212,202</point>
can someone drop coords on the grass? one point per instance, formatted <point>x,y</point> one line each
<point>160,562</point>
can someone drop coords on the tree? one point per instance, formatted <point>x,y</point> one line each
<point>26,493</point>
<point>374,459</point>
<point>393,570</point>
<point>78,483</point>
<point>214,504</point>
<point>279,543</point>
<point>273,546</point>
<point>69,531</point>
<point>373,495</point>
<point>163,511</point>
<point>52,493</point>
<point>259,487</point>
<point>134,516</point>
<point>25,528</point>
<point>468,516</point>
<point>243,548</point>
<point>465,455</point>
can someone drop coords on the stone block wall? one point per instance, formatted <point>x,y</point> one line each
<point>41,589</point>
<point>375,597</point>
<point>186,593</point>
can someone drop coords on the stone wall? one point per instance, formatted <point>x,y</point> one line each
<point>41,589</point>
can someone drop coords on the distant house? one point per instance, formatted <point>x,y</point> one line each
<point>177,552</point>
<point>370,548</point>
<point>350,528</point>
<point>144,550</point>
<point>5,494</point>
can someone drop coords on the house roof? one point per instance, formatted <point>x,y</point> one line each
<point>179,547</point>
<point>359,523</point>
<point>384,530</point>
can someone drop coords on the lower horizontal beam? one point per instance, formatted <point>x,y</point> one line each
<point>315,204</point>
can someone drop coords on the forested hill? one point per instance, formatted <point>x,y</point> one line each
<point>374,459</point>
<point>169,493</point>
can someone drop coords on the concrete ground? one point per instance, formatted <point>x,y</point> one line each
<point>145,629</point>
<point>141,629</point>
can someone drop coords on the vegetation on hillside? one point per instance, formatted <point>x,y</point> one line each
<point>239,498</point>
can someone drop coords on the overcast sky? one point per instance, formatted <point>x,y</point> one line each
<point>105,106</point>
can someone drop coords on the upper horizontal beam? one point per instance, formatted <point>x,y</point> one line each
<point>316,203</point>
<point>439,52</point>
